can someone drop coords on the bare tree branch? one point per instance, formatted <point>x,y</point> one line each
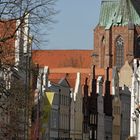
<point>15,87</point>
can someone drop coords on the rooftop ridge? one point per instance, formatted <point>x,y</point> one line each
<point>62,49</point>
<point>109,1</point>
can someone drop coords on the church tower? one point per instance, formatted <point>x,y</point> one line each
<point>117,35</point>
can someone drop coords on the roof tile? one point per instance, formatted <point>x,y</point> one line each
<point>63,58</point>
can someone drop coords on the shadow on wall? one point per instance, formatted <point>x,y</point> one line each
<point>136,4</point>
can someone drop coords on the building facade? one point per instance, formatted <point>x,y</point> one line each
<point>15,51</point>
<point>76,122</point>
<point>97,106</point>
<point>112,104</point>
<point>106,101</point>
<point>125,84</point>
<point>116,37</point>
<point>135,122</point>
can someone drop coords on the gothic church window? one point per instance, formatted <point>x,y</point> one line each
<point>119,52</point>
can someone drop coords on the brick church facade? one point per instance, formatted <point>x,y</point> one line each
<point>116,40</point>
<point>117,35</point>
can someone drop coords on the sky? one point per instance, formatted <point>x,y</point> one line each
<point>75,23</point>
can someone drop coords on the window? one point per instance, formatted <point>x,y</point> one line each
<point>93,119</point>
<point>119,52</point>
<point>95,135</point>
<point>54,117</point>
<point>61,99</point>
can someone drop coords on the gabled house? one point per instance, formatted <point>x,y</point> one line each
<point>135,102</point>
<point>70,64</point>
<point>60,111</point>
<point>97,105</point>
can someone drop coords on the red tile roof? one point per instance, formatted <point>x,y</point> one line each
<point>63,58</point>
<point>66,63</point>
<point>70,73</point>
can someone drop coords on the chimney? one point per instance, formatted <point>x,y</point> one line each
<point>93,82</point>
<point>107,96</point>
<point>93,72</point>
<point>107,74</point>
<point>85,99</point>
<point>86,88</point>
<point>107,82</point>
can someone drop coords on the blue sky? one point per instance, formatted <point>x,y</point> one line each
<point>75,24</point>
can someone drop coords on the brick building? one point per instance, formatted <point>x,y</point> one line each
<point>63,58</point>
<point>116,40</point>
<point>117,35</point>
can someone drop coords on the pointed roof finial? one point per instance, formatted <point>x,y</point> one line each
<point>93,71</point>
<point>107,74</point>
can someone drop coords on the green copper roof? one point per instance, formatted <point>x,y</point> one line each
<point>119,13</point>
